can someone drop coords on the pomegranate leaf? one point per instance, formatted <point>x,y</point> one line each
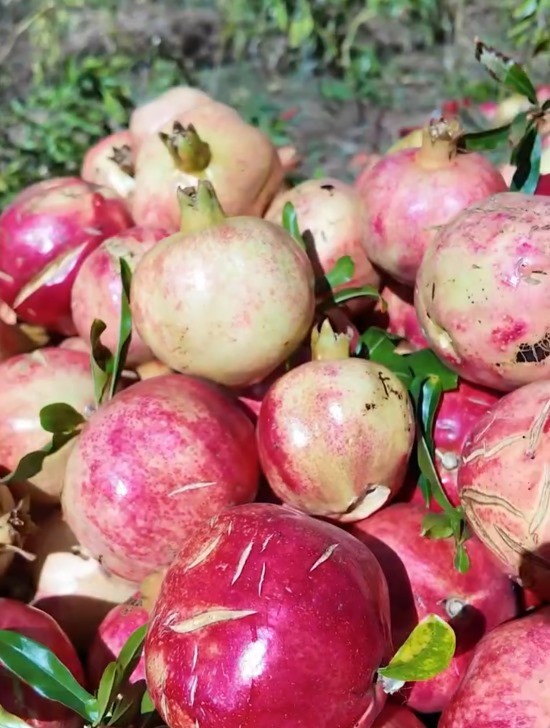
<point>381,348</point>
<point>108,688</point>
<point>526,156</point>
<point>461,560</point>
<point>31,463</point>
<point>125,330</point>
<point>131,653</point>
<point>341,272</point>
<point>506,71</point>
<point>147,705</point>
<point>363,292</point>
<point>37,666</point>
<point>101,360</point>
<point>127,704</point>
<point>488,139</point>
<point>426,652</point>
<point>426,363</point>
<point>290,224</point>
<point>60,418</point>
<point>8,720</point>
<point>437,525</point>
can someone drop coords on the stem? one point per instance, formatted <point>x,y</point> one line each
<point>326,345</point>
<point>189,151</point>
<point>439,143</point>
<point>199,207</point>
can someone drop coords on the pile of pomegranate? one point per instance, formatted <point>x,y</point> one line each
<point>330,420</point>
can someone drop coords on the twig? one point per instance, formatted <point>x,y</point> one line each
<point>21,28</point>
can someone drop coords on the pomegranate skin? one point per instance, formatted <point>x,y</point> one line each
<point>204,301</point>
<point>422,580</point>
<point>503,484</point>
<point>45,235</point>
<point>235,633</point>
<point>29,382</point>
<point>17,697</point>
<point>97,288</point>
<point>483,293</point>
<point>99,168</point>
<point>506,683</point>
<point>244,168</point>
<point>397,716</point>
<point>334,437</point>
<point>401,314</point>
<point>407,201</point>
<point>152,463</point>
<point>543,186</point>
<point>111,636</point>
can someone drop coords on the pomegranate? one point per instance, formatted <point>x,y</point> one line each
<point>111,636</point>
<point>13,341</point>
<point>17,697</point>
<point>409,194</point>
<point>76,344</point>
<point>150,465</point>
<point>235,633</point>
<point>335,434</point>
<point>543,186</point>
<point>203,299</point>
<point>110,163</point>
<point>397,716</point>
<point>330,217</point>
<point>483,291</point>
<point>69,585</point>
<point>28,383</point>
<point>210,142</point>
<point>155,114</point>
<point>503,483</point>
<point>97,288</point>
<point>505,684</point>
<point>45,234</point>
<point>401,318</point>
<point>411,140</point>
<point>422,581</point>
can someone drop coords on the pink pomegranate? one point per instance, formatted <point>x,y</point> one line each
<point>401,314</point>
<point>76,344</point>
<point>45,235</point>
<point>111,636</point>
<point>459,411</point>
<point>422,580</point>
<point>27,383</point>
<point>503,483</point>
<point>483,291</point>
<point>152,463</point>
<point>543,187</point>
<point>155,114</point>
<point>18,698</point>
<point>70,586</point>
<point>505,684</point>
<point>110,163</point>
<point>97,288</point>
<point>235,634</point>
<point>203,299</point>
<point>335,434</point>
<point>330,216</point>
<point>411,193</point>
<point>210,142</point>
<point>397,716</point>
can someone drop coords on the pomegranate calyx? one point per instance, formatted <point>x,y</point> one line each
<point>190,153</point>
<point>439,143</point>
<point>199,207</point>
<point>122,157</point>
<point>328,345</point>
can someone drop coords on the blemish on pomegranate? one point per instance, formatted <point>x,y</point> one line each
<point>242,562</point>
<point>191,486</point>
<point>209,618</point>
<point>325,556</point>
<point>204,553</point>
<point>193,689</point>
<point>534,353</point>
<point>262,579</point>
<point>536,430</point>
<point>266,542</point>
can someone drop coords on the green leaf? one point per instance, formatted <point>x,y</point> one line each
<point>127,705</point>
<point>363,292</point>
<point>302,25</point>
<point>101,361</point>
<point>506,71</point>
<point>131,652</point>
<point>60,418</point>
<point>527,157</point>
<point>381,349</point>
<point>341,273</point>
<point>125,330</point>
<point>8,720</point>
<point>437,525</point>
<point>461,560</point>
<point>108,688</point>
<point>31,463</point>
<point>147,705</point>
<point>36,665</point>
<point>290,224</point>
<point>425,363</point>
<point>488,139</point>
<point>427,652</point>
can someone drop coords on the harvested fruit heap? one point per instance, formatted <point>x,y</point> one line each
<point>276,456</point>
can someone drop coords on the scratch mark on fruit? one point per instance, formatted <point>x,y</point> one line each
<point>541,511</point>
<point>266,542</point>
<point>262,578</point>
<point>204,553</point>
<point>485,499</point>
<point>209,618</point>
<point>164,707</point>
<point>325,556</point>
<point>195,657</point>
<point>536,429</point>
<point>509,541</point>
<point>49,274</point>
<point>193,689</point>
<point>6,277</point>
<point>191,486</point>
<point>242,562</point>
<point>485,452</point>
